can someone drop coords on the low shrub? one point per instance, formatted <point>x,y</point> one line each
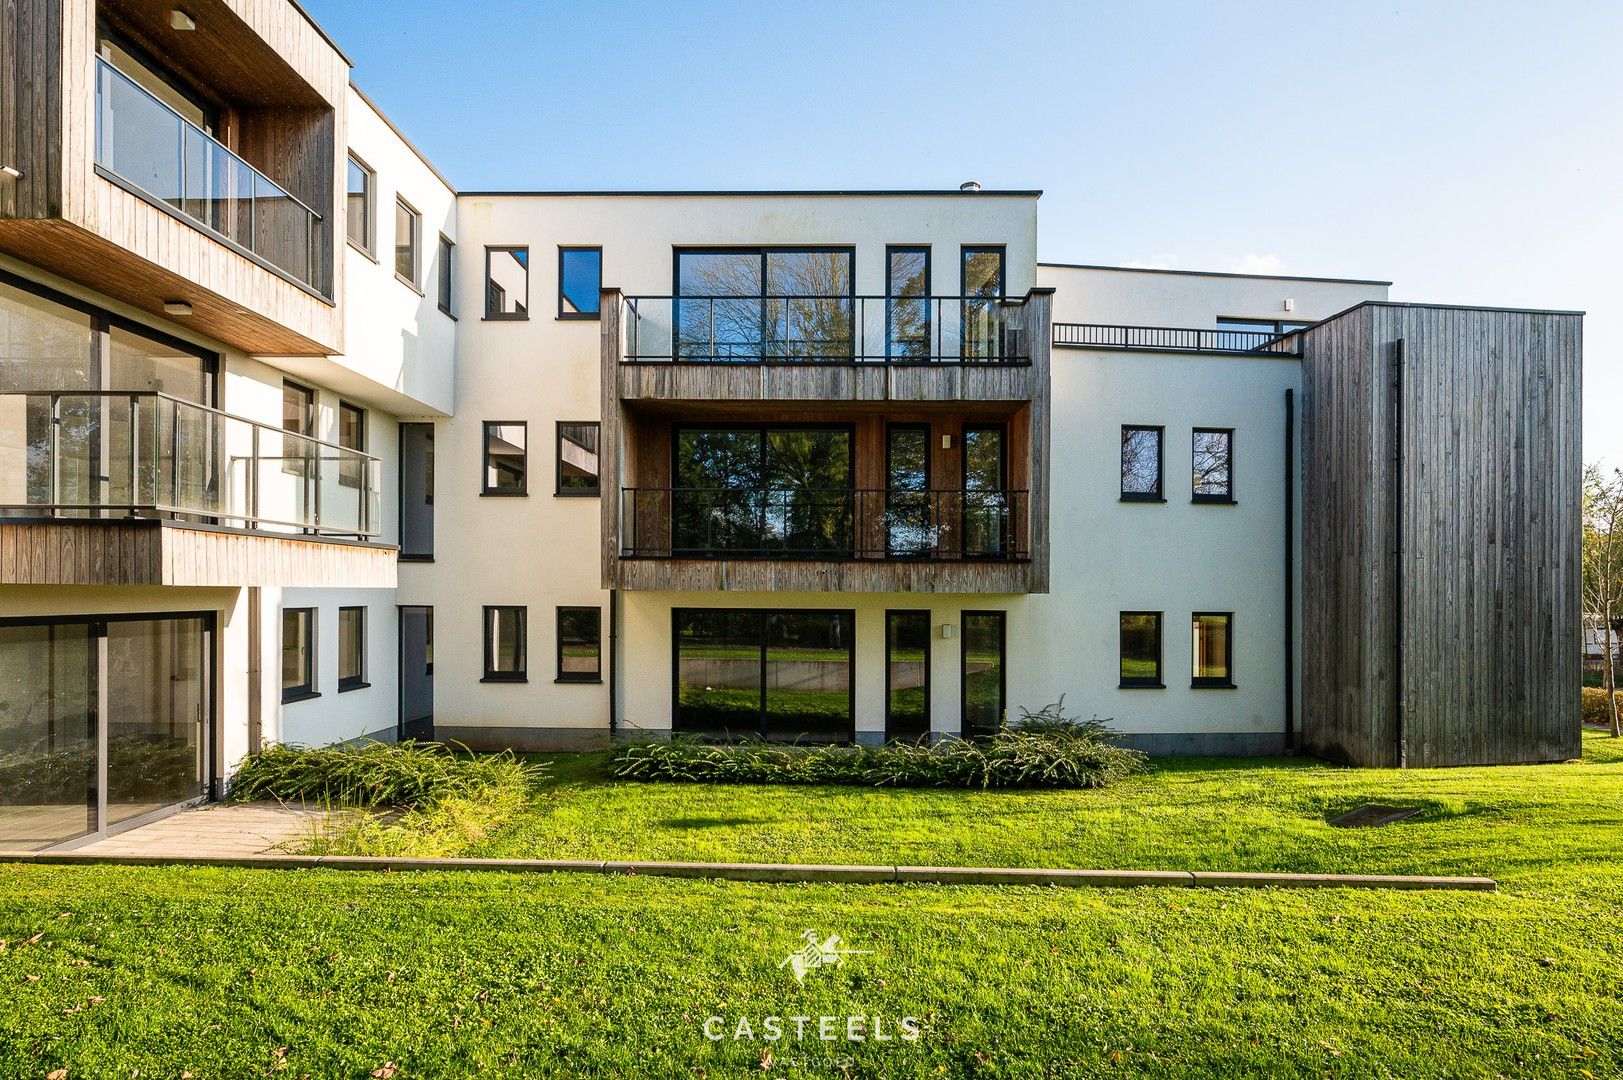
<point>1593,706</point>
<point>1047,748</point>
<point>377,774</point>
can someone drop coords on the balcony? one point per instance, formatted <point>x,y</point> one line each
<point>213,498</point>
<point>1174,339</point>
<point>144,144</point>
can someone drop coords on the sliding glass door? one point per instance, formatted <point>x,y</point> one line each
<point>779,675</point>
<point>907,675</point>
<point>102,721</point>
<point>762,490</point>
<point>754,305</point>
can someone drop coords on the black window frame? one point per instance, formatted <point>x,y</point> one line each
<point>507,316</point>
<point>296,453</point>
<point>1138,682</point>
<point>485,490</point>
<point>896,499</point>
<point>522,674</point>
<point>1005,538</point>
<point>965,299</point>
<point>444,296</point>
<point>1159,494</point>
<point>579,316</point>
<point>1197,682</point>
<point>763,251</point>
<point>596,490</point>
<point>369,202</point>
<point>305,690</point>
<point>357,681</point>
<point>416,218</point>
<point>891,297</point>
<point>348,475</point>
<point>1002,670</point>
<point>1227,497</point>
<point>595,676</point>
<point>929,625</point>
<point>400,500</point>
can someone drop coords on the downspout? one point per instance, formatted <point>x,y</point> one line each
<point>614,663</point>
<point>1397,555</point>
<point>1290,568</point>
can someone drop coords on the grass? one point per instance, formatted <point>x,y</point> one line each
<point>237,973</point>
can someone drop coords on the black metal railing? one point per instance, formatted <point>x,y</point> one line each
<point>1174,339</point>
<point>150,146</point>
<point>826,330</point>
<point>824,523</point>
<point>111,454</point>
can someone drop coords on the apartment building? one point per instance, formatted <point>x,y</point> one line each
<point>298,443</point>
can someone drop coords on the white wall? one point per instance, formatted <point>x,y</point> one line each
<point>1132,297</point>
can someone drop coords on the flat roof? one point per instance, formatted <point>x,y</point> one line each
<point>1212,273</point>
<point>311,19</point>
<point>825,193</point>
<point>402,136</point>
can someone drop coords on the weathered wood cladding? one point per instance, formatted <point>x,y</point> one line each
<point>165,553</point>
<point>1442,460</point>
<point>641,400</point>
<point>281,90</point>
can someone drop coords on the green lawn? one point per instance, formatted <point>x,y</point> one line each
<point>217,972</point>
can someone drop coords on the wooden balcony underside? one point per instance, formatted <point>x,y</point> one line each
<point>145,552</point>
<point>827,382</point>
<point>861,575</point>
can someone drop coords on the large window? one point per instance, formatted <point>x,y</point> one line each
<point>907,674</point>
<point>1141,649</point>
<point>580,281</point>
<point>358,205</point>
<point>781,675</point>
<point>1212,459</point>
<point>408,229</point>
<point>982,673</point>
<point>765,304</point>
<point>762,490</point>
<point>506,462</point>
<point>1212,647</point>
<point>146,680</point>
<point>417,491</point>
<point>577,458</point>
<point>351,648</point>
<point>1141,464</point>
<point>907,303</point>
<point>298,654</point>
<point>507,283</point>
<point>580,644</point>
<point>443,292</point>
<point>505,644</point>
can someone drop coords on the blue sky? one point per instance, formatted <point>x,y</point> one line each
<point>1470,152</point>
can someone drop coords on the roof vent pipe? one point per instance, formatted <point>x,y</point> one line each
<point>970,185</point>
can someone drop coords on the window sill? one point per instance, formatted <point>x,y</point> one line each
<point>1141,686</point>
<point>505,679</point>
<point>579,682</point>
<point>505,318</point>
<point>1126,498</point>
<point>447,313</point>
<point>504,494</point>
<point>408,283</point>
<point>344,688</point>
<point>416,558</point>
<point>1208,500</point>
<point>595,493</point>
<point>1212,686</point>
<point>585,316</point>
<point>289,697</point>
<point>361,249</point>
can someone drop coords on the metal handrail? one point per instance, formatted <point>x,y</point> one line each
<point>277,191</point>
<point>899,524</point>
<point>130,472</point>
<point>1173,338</point>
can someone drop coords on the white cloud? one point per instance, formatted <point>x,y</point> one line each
<point>1253,263</point>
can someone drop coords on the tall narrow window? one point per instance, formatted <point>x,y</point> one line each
<point>910,526</point>
<point>907,674</point>
<point>982,673</point>
<point>577,458</point>
<point>408,226</point>
<point>299,421</point>
<point>1141,649</point>
<point>1213,461</point>
<point>981,282</point>
<point>1141,464</point>
<point>580,631</point>
<point>351,436</point>
<point>507,283</point>
<point>351,648</point>
<point>907,303</point>
<point>417,492</point>
<point>505,644</point>
<point>506,462</point>
<point>298,654</point>
<point>444,290</point>
<point>1212,642</point>
<point>580,280</point>
<point>986,507</point>
<point>358,206</point>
